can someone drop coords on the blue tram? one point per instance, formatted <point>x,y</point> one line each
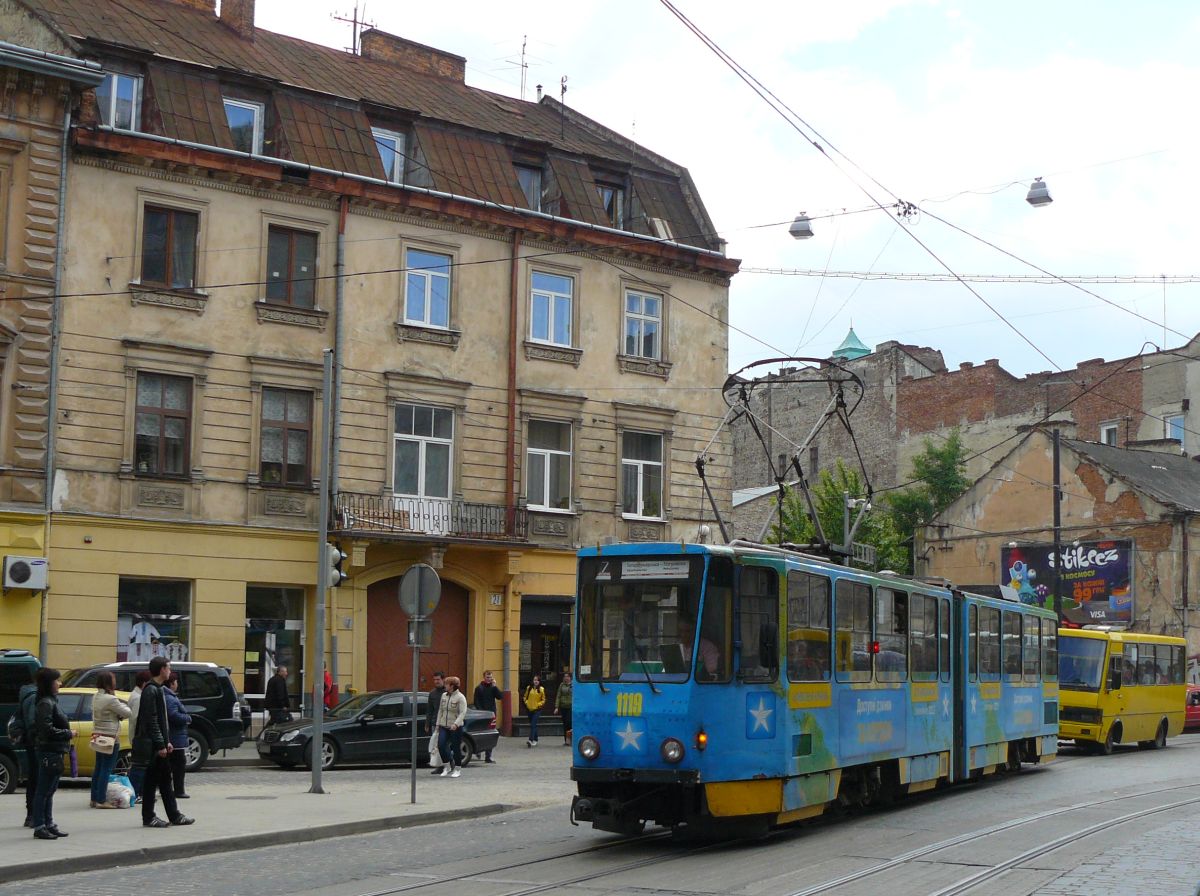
<point>737,687</point>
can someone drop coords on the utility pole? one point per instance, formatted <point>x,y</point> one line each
<point>1057,534</point>
<point>317,741</point>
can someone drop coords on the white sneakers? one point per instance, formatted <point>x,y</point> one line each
<point>455,773</point>
<point>445,771</point>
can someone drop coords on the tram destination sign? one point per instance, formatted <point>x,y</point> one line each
<point>629,570</point>
<point>1096,579</point>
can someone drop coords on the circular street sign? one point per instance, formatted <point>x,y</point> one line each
<point>420,590</point>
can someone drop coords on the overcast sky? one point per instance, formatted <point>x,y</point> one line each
<point>931,99</point>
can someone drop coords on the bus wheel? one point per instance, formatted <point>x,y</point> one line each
<point>1106,748</point>
<point>1160,738</point>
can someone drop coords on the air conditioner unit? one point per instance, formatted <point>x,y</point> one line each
<point>26,572</point>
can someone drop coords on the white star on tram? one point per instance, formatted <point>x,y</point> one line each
<point>761,716</point>
<point>630,737</point>
<point>945,704</point>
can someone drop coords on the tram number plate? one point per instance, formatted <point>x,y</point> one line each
<point>629,704</point>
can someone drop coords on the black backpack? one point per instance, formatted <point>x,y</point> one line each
<point>16,730</point>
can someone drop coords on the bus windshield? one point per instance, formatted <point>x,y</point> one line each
<point>1080,664</point>
<point>637,617</point>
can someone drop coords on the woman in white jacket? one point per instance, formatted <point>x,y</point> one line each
<point>452,714</point>
<point>107,711</point>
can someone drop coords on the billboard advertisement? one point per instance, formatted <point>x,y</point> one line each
<point>1096,579</point>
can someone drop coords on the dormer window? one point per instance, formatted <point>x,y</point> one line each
<point>245,125</point>
<point>391,152</point>
<point>531,185</point>
<point>612,198</point>
<point>119,100</point>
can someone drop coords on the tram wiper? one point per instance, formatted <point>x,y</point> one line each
<point>645,666</point>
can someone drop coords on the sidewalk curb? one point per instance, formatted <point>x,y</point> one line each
<point>147,855</point>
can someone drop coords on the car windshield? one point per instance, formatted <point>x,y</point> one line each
<point>351,707</point>
<point>71,676</point>
<point>1080,663</point>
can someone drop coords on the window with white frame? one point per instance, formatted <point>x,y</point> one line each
<point>1173,427</point>
<point>119,101</point>
<point>1108,433</point>
<point>245,124</point>
<point>613,199</point>
<point>549,463</point>
<point>642,474</point>
<point>550,314</point>
<point>391,152</point>
<point>531,185</point>
<point>643,325</point>
<point>424,447</point>
<point>427,288</point>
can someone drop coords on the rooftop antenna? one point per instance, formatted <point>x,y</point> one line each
<point>562,99</point>
<point>524,64</point>
<point>358,24</point>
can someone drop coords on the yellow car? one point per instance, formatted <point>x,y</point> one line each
<point>76,704</point>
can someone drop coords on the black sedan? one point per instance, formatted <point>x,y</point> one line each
<point>372,727</point>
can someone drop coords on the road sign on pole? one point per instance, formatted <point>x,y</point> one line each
<point>420,591</point>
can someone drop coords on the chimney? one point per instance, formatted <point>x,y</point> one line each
<point>238,15</point>
<point>539,99</point>
<point>379,46</point>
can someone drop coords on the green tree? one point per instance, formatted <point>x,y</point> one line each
<point>877,528</point>
<point>940,474</point>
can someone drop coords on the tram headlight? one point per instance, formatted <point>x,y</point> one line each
<point>701,739</point>
<point>672,751</point>
<point>589,747</point>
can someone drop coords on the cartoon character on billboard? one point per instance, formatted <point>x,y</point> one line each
<point>1022,581</point>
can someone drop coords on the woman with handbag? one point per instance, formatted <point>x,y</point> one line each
<point>51,741</point>
<point>107,711</point>
<point>177,721</point>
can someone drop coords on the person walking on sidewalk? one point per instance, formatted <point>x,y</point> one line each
<point>51,740</point>
<point>431,714</point>
<point>451,715</point>
<point>535,699</point>
<point>27,707</point>
<point>562,706</point>
<point>107,711</point>
<point>137,766</point>
<point>277,704</point>
<point>153,743</point>
<point>178,721</point>
<point>486,695</point>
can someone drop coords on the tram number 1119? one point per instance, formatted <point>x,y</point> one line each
<point>629,704</point>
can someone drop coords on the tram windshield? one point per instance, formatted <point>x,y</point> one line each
<point>1081,663</point>
<point>638,618</point>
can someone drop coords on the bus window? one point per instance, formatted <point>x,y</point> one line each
<point>973,642</point>
<point>989,644</point>
<point>1049,650</point>
<point>1129,665</point>
<point>1162,663</point>
<point>852,619</point>
<point>923,643</point>
<point>944,637</point>
<point>715,624</point>
<point>758,624</point>
<point>1177,674</point>
<point>1010,645</point>
<point>808,627</point>
<point>1030,651</point>
<point>1147,670</point>
<point>891,630</point>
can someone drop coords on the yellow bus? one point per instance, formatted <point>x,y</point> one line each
<point>1119,687</point>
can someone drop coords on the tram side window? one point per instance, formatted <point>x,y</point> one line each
<point>758,624</point>
<point>989,644</point>
<point>1049,650</point>
<point>1010,645</point>
<point>973,642</point>
<point>891,631</point>
<point>808,627</point>
<point>944,636</point>
<point>923,639</point>
<point>715,624</point>
<point>852,619</point>
<point>1030,649</point>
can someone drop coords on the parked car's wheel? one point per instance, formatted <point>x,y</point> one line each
<point>196,751</point>
<point>8,774</point>
<point>466,750</point>
<point>123,764</point>
<point>329,754</point>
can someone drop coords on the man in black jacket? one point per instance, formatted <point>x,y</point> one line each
<point>486,695</point>
<point>153,738</point>
<point>431,711</point>
<point>277,704</point>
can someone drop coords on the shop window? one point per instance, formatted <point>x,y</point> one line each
<point>274,623</point>
<point>154,618</point>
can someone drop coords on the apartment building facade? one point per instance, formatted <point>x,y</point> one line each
<point>507,288</point>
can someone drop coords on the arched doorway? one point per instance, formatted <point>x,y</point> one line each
<point>389,659</point>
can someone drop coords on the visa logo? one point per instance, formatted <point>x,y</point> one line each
<point>1097,614</point>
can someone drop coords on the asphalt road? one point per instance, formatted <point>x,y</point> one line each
<point>538,851</point>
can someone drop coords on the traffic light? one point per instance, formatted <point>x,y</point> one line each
<point>334,558</point>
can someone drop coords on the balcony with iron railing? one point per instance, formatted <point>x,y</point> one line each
<point>366,514</point>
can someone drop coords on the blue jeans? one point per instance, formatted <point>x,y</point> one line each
<point>533,717</point>
<point>137,775</point>
<point>50,767</point>
<point>100,775</point>
<point>448,745</point>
